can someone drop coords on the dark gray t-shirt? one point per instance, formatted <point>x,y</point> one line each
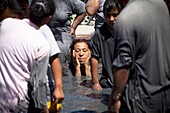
<point>103,47</point>
<point>142,40</point>
<point>64,9</point>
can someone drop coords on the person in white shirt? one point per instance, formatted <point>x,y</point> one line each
<point>24,57</point>
<point>18,54</point>
<point>44,10</point>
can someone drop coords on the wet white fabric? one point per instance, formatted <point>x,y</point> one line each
<point>46,31</point>
<point>20,46</point>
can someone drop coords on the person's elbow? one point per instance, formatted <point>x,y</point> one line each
<point>91,11</point>
<point>83,15</point>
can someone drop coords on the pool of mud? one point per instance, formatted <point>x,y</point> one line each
<point>80,98</point>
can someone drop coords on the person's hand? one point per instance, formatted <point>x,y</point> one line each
<point>114,106</point>
<point>88,66</point>
<point>44,110</point>
<point>97,87</point>
<point>75,56</point>
<point>76,64</point>
<point>58,95</point>
<point>87,62</point>
<point>72,31</point>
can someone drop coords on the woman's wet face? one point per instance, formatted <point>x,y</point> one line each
<point>81,51</point>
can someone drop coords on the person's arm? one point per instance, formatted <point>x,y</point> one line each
<point>120,79</point>
<point>79,18</point>
<point>88,66</point>
<point>77,67</point>
<point>76,64</point>
<point>78,71</point>
<point>58,94</point>
<point>95,80</point>
<point>92,7</point>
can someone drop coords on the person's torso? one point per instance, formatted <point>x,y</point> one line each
<point>20,47</point>
<point>147,36</point>
<point>61,21</point>
<point>104,46</point>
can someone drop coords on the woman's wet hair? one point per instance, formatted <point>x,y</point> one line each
<point>40,9</point>
<point>19,7</point>
<point>75,41</point>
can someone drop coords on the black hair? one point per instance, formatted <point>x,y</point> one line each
<point>110,4</point>
<point>40,9</point>
<point>17,6</point>
<point>75,41</point>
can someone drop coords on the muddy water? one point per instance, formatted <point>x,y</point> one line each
<point>80,98</point>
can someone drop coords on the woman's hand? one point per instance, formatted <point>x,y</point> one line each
<point>77,64</point>
<point>97,87</point>
<point>87,62</point>
<point>75,56</point>
<point>88,66</point>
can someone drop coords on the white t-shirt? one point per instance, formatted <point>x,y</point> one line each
<point>46,31</point>
<point>20,46</point>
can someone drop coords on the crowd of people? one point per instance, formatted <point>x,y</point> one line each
<point>38,47</point>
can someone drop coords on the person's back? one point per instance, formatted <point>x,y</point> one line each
<point>152,38</point>
<point>142,44</point>
<point>18,54</point>
<point>40,13</point>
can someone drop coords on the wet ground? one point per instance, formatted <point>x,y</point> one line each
<point>80,98</point>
